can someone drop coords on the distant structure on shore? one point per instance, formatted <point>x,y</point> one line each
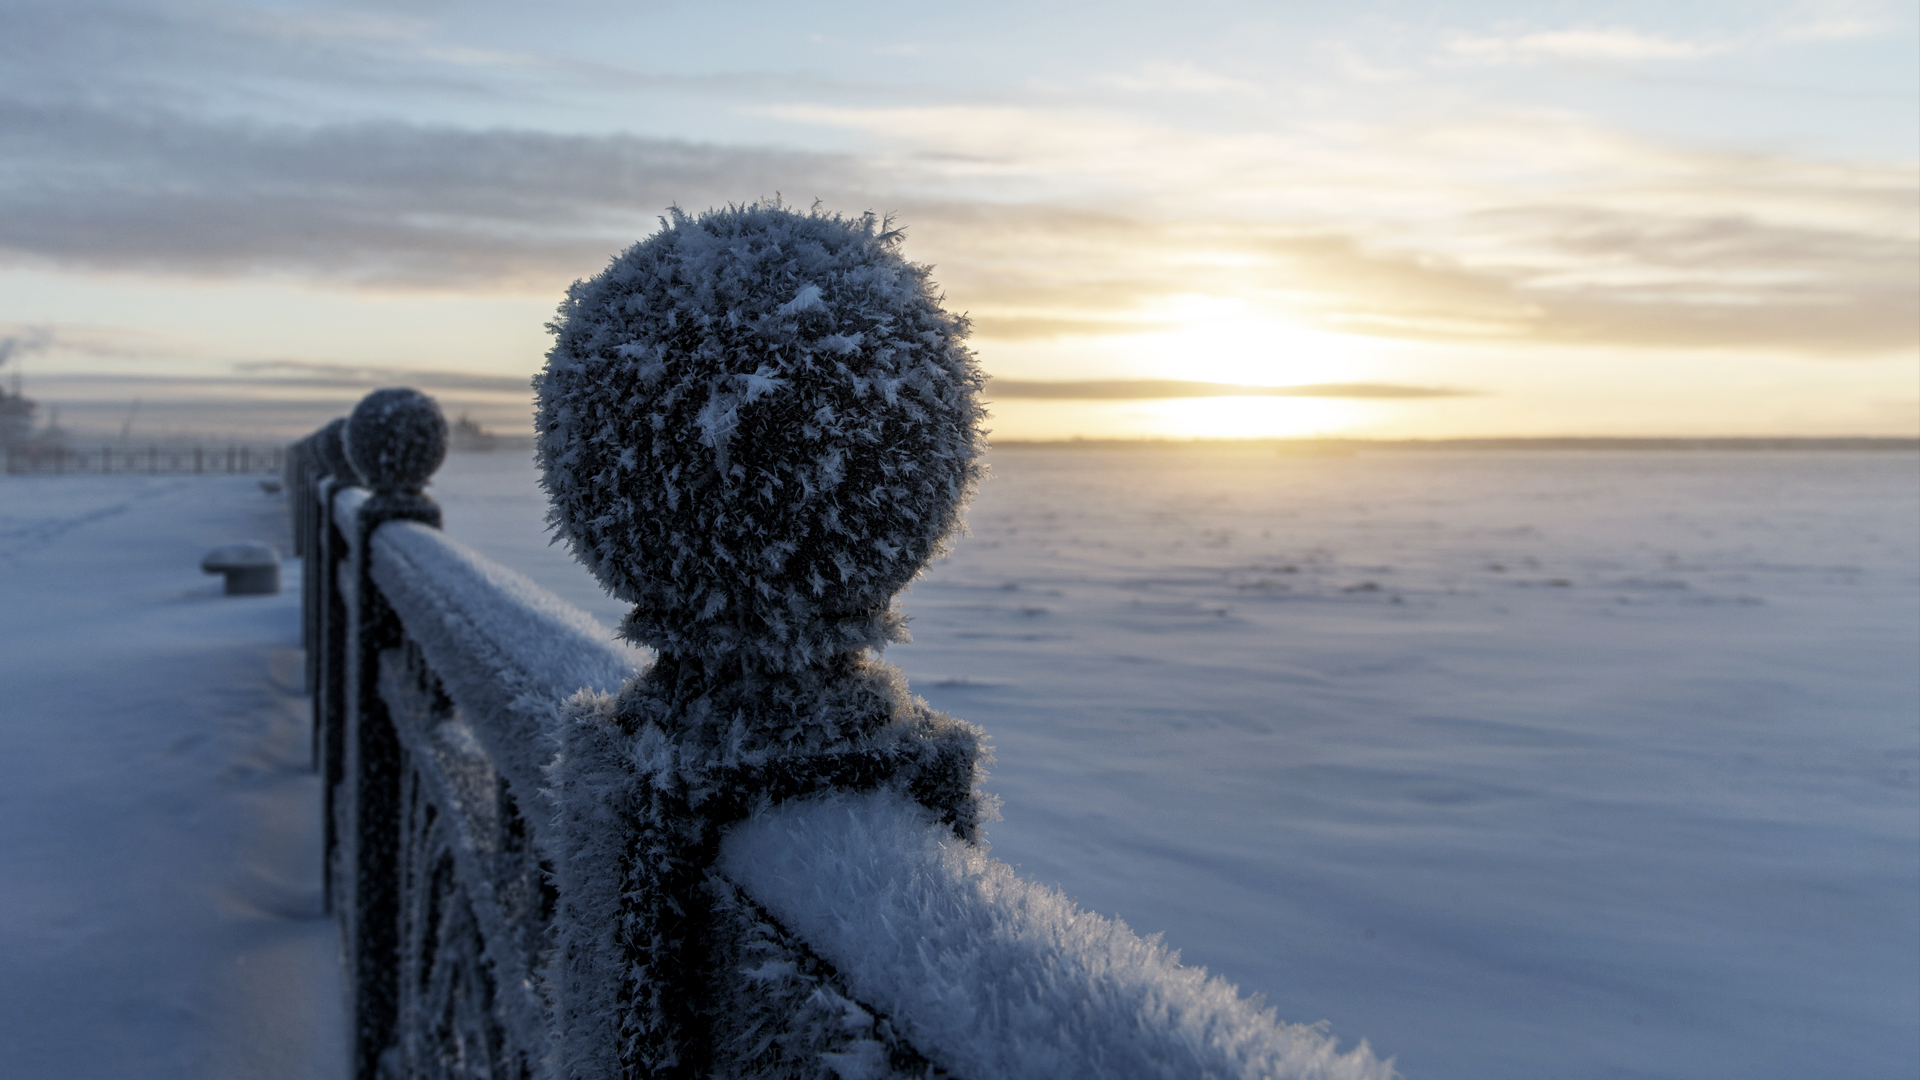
<point>16,417</point>
<point>16,409</point>
<point>16,422</point>
<point>466,434</point>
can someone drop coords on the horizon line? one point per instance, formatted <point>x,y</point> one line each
<point>1490,442</point>
<point>1164,389</point>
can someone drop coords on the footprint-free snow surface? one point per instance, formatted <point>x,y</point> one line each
<point>159,829</point>
<point>1518,766</point>
<point>1573,765</point>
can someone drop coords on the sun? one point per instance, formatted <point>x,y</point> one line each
<point>1227,340</point>
<point>1204,339</point>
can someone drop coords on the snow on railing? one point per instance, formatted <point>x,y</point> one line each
<point>758,855</point>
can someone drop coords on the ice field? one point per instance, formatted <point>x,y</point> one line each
<point>1569,765</point>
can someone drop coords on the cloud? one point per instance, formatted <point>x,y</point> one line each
<point>281,399</point>
<point>1182,78</point>
<point>190,57</point>
<point>96,407</point>
<point>319,373</point>
<point>379,203</point>
<point>262,379</point>
<point>1015,326</point>
<point>1524,226</point>
<point>1692,250</point>
<point>96,342</point>
<point>1147,389</point>
<point>330,63</point>
<point>1632,280</point>
<point>1838,20</point>
<point>1829,21</point>
<point>1566,275</point>
<point>1581,43</point>
<point>234,395</point>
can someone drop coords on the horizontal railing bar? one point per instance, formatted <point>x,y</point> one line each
<point>507,651</point>
<point>990,973</point>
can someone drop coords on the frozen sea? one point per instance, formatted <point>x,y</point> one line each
<point>1516,765</point>
<point>1573,765</point>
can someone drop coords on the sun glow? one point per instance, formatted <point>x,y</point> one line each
<point>1247,417</point>
<point>1179,418</point>
<point>1199,339</point>
<point>1216,339</point>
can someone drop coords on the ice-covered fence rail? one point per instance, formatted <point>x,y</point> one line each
<point>431,671</point>
<point>868,938</point>
<point>470,692</point>
<point>506,651</point>
<point>991,975</point>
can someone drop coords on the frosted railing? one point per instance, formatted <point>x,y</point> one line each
<point>504,649</point>
<point>497,825</point>
<point>470,693</point>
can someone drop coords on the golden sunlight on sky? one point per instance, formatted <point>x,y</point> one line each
<point>1375,220</point>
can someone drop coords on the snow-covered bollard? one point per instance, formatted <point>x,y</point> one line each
<point>756,426</point>
<point>252,568</point>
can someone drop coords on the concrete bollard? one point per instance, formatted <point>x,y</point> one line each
<point>252,569</point>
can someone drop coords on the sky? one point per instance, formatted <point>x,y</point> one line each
<point>1367,219</point>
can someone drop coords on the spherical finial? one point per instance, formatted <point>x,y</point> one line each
<point>329,449</point>
<point>758,425</point>
<point>396,438</point>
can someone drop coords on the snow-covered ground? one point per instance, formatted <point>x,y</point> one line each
<point>1575,765</point>
<point>1580,765</point>
<point>159,841</point>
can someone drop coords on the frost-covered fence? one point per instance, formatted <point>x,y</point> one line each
<point>435,677</point>
<point>758,855</point>
<point>154,459</point>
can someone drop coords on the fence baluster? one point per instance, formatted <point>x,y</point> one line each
<point>395,439</point>
<point>328,617</point>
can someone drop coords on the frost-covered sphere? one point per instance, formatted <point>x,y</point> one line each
<point>758,425</point>
<point>395,439</point>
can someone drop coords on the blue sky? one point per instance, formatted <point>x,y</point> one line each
<point>1591,218</point>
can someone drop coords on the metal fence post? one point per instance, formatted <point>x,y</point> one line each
<point>760,578</point>
<point>395,439</point>
<point>328,617</point>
